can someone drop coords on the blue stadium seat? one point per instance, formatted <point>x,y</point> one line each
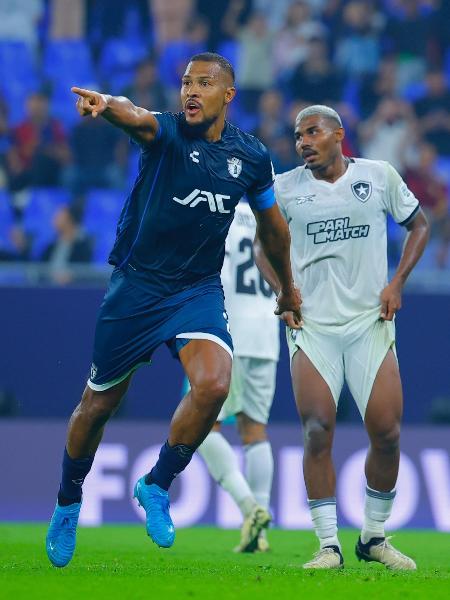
<point>38,216</point>
<point>17,61</point>
<point>230,50</point>
<point>414,91</point>
<point>68,62</point>
<point>103,207</point>
<point>118,60</point>
<point>63,106</point>
<point>18,77</point>
<point>6,221</point>
<point>102,247</point>
<point>442,167</point>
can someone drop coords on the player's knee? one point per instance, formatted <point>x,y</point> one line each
<point>211,389</point>
<point>98,407</point>
<point>387,439</point>
<point>318,436</point>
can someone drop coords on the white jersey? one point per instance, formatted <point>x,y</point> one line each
<point>249,299</point>
<point>338,231</point>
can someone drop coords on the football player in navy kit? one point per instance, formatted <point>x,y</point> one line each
<point>165,288</point>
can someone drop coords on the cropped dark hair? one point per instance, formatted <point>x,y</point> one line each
<point>216,58</point>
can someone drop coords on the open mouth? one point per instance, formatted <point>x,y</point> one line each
<point>192,107</point>
<point>309,155</point>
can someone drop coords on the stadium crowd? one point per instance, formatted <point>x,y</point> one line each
<point>383,64</point>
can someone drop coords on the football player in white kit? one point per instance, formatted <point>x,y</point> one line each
<point>336,208</point>
<point>249,302</point>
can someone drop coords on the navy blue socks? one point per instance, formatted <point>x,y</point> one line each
<point>172,460</point>
<point>74,470</point>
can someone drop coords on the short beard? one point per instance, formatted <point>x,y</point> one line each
<point>197,130</point>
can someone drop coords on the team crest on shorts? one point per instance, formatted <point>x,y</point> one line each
<point>362,190</point>
<point>93,370</point>
<point>234,166</point>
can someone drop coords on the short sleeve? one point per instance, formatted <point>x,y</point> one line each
<point>401,202</point>
<point>168,128</point>
<point>261,195</point>
<point>278,198</point>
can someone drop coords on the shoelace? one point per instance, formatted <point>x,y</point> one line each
<point>324,551</point>
<point>386,545</point>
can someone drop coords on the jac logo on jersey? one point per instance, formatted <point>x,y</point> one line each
<point>336,229</point>
<point>215,201</point>
<point>362,190</point>
<point>234,166</point>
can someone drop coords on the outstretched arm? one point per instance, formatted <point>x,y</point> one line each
<point>271,251</point>
<point>138,123</point>
<point>391,296</point>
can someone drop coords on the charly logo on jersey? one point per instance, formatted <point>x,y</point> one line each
<point>194,156</point>
<point>303,199</point>
<point>215,201</point>
<point>362,190</point>
<point>334,230</point>
<point>234,166</point>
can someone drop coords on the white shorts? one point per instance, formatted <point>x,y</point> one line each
<point>351,354</point>
<point>252,388</point>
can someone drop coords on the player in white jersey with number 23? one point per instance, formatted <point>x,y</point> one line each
<point>336,208</point>
<point>249,301</point>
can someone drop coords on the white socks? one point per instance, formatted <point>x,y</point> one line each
<point>377,509</point>
<point>222,464</point>
<point>324,518</point>
<point>259,471</point>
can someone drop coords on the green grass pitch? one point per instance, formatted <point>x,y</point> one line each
<point>121,562</point>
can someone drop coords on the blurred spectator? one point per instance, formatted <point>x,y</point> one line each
<point>169,18</point>
<point>433,195</point>
<point>256,45</point>
<point>175,55</point>
<point>146,90</point>
<point>271,123</point>
<point>18,247</point>
<point>284,157</point>
<point>441,31</point>
<point>108,19</point>
<point>224,17</point>
<point>71,245</point>
<point>67,19</point>
<point>357,51</point>
<point>19,20</point>
<point>433,110</point>
<point>350,145</point>
<point>316,81</point>
<point>4,140</point>
<point>276,12</point>
<point>99,156</point>
<point>409,36</point>
<point>291,42</point>
<point>39,149</point>
<point>375,87</point>
<point>388,133</point>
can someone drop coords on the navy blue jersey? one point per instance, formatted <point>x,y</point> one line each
<point>171,233</point>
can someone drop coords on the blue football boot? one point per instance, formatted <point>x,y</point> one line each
<point>61,535</point>
<point>155,502</point>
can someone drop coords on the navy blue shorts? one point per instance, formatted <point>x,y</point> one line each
<point>132,324</point>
